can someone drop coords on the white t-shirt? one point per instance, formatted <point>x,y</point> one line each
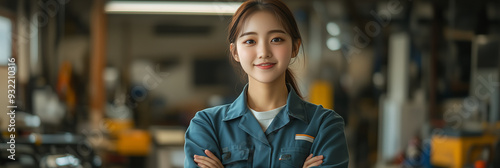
<point>266,117</point>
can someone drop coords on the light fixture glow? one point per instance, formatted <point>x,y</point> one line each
<point>171,7</point>
<point>333,28</point>
<point>333,43</point>
<point>68,160</point>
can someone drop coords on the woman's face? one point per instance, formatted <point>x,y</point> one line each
<point>263,48</point>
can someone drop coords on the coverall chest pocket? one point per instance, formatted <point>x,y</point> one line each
<point>236,156</point>
<point>293,157</point>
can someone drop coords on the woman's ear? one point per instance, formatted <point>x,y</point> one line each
<point>232,49</point>
<point>296,48</point>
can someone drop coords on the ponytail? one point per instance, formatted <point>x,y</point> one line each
<point>290,78</point>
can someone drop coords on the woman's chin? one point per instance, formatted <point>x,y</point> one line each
<point>266,79</point>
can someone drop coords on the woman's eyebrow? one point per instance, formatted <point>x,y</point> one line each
<point>269,32</point>
<point>247,33</point>
<point>276,31</point>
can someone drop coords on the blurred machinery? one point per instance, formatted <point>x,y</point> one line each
<point>471,135</point>
<point>485,78</point>
<point>126,144</point>
<point>33,150</point>
<point>168,147</point>
<point>458,149</point>
<point>403,111</point>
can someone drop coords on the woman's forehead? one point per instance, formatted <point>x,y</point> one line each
<point>261,22</point>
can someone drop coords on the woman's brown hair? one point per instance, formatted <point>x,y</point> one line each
<point>284,16</point>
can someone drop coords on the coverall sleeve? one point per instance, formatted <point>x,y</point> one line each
<point>200,135</point>
<point>331,143</point>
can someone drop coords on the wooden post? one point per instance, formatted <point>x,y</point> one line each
<point>97,62</point>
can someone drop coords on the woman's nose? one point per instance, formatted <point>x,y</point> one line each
<point>264,51</point>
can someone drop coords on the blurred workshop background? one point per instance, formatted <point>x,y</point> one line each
<point>114,83</point>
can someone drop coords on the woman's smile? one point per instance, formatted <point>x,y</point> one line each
<point>265,65</point>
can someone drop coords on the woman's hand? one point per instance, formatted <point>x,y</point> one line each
<point>208,162</point>
<point>313,161</point>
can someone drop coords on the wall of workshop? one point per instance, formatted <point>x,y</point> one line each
<point>131,38</point>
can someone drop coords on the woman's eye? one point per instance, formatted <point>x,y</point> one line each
<point>276,40</point>
<point>250,42</point>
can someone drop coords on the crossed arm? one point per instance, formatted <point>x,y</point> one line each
<point>211,161</point>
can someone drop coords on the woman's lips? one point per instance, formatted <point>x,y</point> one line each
<point>265,65</point>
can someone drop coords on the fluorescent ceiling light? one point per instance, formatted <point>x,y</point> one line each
<point>171,7</point>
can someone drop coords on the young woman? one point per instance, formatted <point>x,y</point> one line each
<point>269,124</point>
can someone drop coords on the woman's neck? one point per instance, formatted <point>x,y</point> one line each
<point>266,96</point>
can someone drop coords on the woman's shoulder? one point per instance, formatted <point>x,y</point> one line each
<point>216,112</point>
<point>318,112</point>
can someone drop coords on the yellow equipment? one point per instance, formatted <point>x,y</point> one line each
<point>459,151</point>
<point>321,93</point>
<point>129,141</point>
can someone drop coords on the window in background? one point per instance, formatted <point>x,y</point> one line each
<point>5,40</point>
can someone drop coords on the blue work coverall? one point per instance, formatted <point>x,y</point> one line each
<point>234,135</point>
